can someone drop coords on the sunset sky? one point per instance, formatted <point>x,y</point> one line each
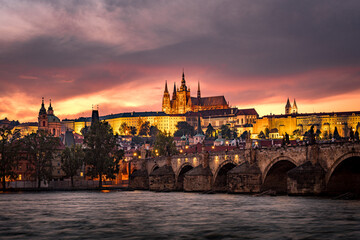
<point>118,54</point>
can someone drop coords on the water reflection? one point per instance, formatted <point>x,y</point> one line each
<point>149,215</point>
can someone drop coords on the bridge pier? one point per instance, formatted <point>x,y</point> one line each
<point>163,178</point>
<point>307,179</point>
<point>199,179</point>
<point>245,178</point>
<point>139,180</point>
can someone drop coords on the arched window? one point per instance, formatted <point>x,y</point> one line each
<point>53,131</point>
<point>43,123</point>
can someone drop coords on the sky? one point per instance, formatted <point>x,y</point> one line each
<point>118,54</point>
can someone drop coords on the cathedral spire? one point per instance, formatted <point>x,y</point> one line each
<point>294,105</point>
<point>288,103</point>
<point>166,88</point>
<point>198,92</point>
<point>183,83</point>
<point>288,107</point>
<point>174,92</point>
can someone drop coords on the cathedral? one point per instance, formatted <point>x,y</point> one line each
<point>291,109</point>
<point>48,121</point>
<point>181,101</point>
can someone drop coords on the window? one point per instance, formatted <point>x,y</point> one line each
<point>43,124</point>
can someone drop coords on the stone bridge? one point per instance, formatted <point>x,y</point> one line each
<point>299,170</point>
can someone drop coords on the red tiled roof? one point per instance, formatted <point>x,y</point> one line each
<point>209,101</point>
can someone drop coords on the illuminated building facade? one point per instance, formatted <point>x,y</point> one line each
<point>239,119</point>
<point>161,120</point>
<point>325,122</point>
<point>181,101</point>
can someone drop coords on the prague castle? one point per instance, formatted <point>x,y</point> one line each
<point>181,101</point>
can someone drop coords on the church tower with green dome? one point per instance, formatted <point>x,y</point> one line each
<point>47,121</point>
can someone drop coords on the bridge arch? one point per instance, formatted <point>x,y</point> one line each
<point>179,177</point>
<point>344,175</point>
<point>154,167</point>
<point>220,176</point>
<point>274,176</point>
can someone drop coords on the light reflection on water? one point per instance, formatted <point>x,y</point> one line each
<point>149,215</point>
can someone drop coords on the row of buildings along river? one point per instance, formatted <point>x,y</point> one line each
<point>199,112</point>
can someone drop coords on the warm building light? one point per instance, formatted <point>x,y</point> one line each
<point>81,174</point>
<point>19,177</point>
<point>213,147</point>
<point>186,147</point>
<point>181,151</point>
<point>139,156</point>
<point>135,154</point>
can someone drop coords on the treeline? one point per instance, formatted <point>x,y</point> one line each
<point>99,154</point>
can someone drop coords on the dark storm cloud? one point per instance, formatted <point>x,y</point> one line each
<point>55,52</point>
<point>270,38</point>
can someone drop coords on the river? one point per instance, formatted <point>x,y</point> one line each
<point>175,215</point>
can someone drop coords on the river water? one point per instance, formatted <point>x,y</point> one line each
<point>175,215</point>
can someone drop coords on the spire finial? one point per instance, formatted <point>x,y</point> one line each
<point>198,92</point>
<point>92,106</point>
<point>50,102</point>
<point>166,87</point>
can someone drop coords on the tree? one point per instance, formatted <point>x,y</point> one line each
<point>296,133</point>
<point>317,134</point>
<point>311,135</point>
<point>9,146</point>
<point>356,136</point>
<point>352,135</point>
<point>287,138</point>
<point>336,134</point>
<point>164,145</point>
<point>267,132</point>
<point>144,129</point>
<point>244,135</point>
<point>100,151</point>
<point>154,131</point>
<point>133,130</point>
<point>261,135</point>
<point>326,135</point>
<point>209,131</point>
<point>226,132</point>
<point>184,129</point>
<point>41,147</point>
<point>71,161</point>
<point>124,129</point>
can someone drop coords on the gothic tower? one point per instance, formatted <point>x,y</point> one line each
<point>42,119</point>
<point>288,107</point>
<point>198,92</point>
<point>166,100</point>
<point>183,101</point>
<point>294,108</point>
